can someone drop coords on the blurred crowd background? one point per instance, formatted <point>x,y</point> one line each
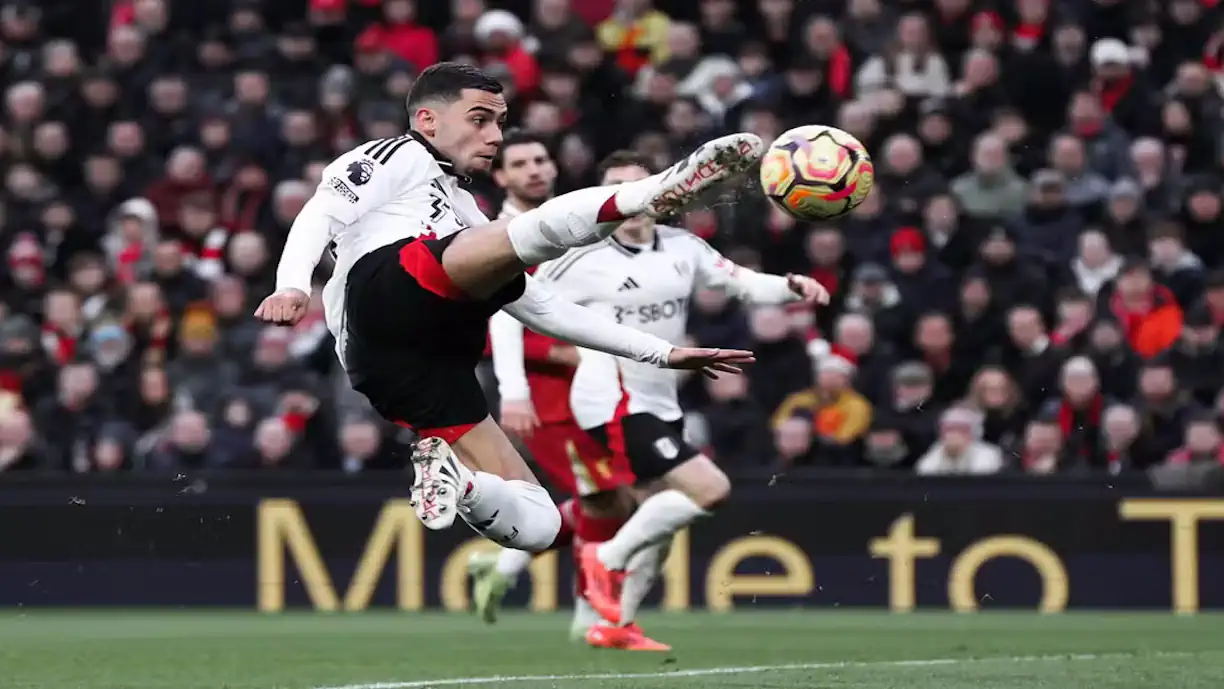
<point>1036,284</point>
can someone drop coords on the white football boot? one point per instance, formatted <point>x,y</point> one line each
<point>679,185</point>
<point>440,483</point>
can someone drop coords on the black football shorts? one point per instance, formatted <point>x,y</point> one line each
<point>414,339</point>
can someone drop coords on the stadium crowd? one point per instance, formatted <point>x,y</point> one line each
<point>1036,283</point>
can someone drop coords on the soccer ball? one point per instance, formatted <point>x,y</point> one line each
<point>817,172</point>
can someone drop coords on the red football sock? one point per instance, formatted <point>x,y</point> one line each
<point>595,529</point>
<point>569,520</point>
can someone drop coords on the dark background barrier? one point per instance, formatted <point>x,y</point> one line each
<point>350,543</point>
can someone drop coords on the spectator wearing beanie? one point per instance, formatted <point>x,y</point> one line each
<point>840,415</point>
<point>500,36</point>
<point>924,284</point>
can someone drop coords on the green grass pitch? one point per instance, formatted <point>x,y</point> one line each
<point>811,649</point>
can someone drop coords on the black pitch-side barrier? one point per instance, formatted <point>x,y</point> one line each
<point>275,542</point>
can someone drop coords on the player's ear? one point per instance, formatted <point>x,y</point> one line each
<point>499,178</point>
<point>425,121</point>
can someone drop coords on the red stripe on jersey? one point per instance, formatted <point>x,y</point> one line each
<point>616,432</point>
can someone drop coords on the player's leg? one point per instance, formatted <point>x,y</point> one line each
<point>495,573</point>
<point>694,486</point>
<point>574,462</point>
<point>485,258</point>
<point>641,574</point>
<point>411,347</point>
<point>481,477</point>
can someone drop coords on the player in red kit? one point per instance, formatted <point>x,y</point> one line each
<point>536,408</point>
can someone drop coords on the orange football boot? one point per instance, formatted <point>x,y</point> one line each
<point>603,585</point>
<point>627,638</point>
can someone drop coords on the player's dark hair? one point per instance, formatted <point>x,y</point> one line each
<point>445,81</point>
<point>624,158</point>
<point>516,137</point>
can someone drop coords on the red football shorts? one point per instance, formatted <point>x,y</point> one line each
<point>575,462</point>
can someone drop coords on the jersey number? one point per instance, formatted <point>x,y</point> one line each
<point>440,209</point>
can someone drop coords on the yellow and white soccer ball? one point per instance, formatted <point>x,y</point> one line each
<point>817,172</point>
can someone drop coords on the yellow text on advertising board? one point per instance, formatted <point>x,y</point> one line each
<point>283,530</point>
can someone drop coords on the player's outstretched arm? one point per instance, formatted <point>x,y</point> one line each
<point>546,313</point>
<point>717,271</point>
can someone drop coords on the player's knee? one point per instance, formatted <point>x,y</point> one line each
<point>714,491</point>
<point>539,520</point>
<point>702,481</point>
<point>606,504</point>
<point>540,532</point>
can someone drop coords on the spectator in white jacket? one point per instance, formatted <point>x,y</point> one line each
<point>913,66</point>
<point>960,450</point>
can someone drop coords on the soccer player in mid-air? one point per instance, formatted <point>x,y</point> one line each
<point>642,276</point>
<point>419,270</point>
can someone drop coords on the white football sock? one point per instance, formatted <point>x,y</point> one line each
<point>511,563</point>
<point>514,514</point>
<point>585,617</point>
<point>560,224</point>
<point>640,576</point>
<point>660,516</point>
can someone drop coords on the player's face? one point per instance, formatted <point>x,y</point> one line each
<point>469,130</point>
<point>527,172</point>
<point>629,173</point>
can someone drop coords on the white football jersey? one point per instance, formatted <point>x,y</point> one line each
<point>647,289</point>
<point>384,191</point>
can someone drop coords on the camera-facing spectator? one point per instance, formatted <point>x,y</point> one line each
<point>275,445</point>
<point>959,450</point>
<point>1078,409</point>
<point>200,371</point>
<point>1162,405</point>
<point>1173,265</point>
<point>1044,447</point>
<point>840,415</point>
<point>736,421</point>
<point>74,413</point>
<point>1197,358</point>
<point>1123,442</point>
<point>795,442</point>
<point>19,450</point>
<point>186,445</point>
<point>910,409</point>
<point>997,397</point>
<point>1096,264</point>
<point>363,447</point>
<point>1203,443</point>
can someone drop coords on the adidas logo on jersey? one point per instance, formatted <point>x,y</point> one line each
<point>627,285</point>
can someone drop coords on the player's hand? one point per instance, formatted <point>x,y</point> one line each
<point>519,417</point>
<point>285,307</point>
<point>810,291</point>
<point>710,362</point>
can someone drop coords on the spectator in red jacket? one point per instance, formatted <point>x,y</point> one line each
<point>415,44</point>
<point>500,35</point>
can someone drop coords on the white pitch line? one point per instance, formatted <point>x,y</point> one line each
<point>745,670</point>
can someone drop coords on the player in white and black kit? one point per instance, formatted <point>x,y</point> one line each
<point>642,277</point>
<point>419,270</point>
